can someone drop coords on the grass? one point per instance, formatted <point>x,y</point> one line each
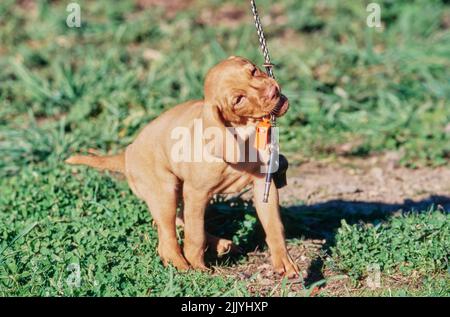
<point>405,244</point>
<point>92,221</point>
<point>64,90</point>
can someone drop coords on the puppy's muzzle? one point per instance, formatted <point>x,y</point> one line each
<point>281,107</point>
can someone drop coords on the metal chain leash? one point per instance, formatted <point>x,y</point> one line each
<point>274,146</point>
<point>262,40</point>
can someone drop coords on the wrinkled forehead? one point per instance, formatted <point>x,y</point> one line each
<point>230,73</point>
<point>239,63</point>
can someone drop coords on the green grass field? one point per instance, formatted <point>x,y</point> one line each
<point>65,89</point>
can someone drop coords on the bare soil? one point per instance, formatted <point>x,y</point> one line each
<point>357,186</point>
<point>373,180</point>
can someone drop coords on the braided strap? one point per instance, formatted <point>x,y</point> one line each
<point>262,40</point>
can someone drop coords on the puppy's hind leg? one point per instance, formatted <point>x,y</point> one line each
<point>162,202</point>
<point>194,226</point>
<point>221,246</point>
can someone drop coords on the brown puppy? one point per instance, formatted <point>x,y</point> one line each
<point>237,94</point>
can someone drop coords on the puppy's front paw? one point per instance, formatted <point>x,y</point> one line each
<point>200,267</point>
<point>195,256</point>
<point>174,257</point>
<point>197,263</point>
<point>285,267</point>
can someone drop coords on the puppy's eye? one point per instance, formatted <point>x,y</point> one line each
<point>238,99</point>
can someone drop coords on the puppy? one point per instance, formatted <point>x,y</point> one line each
<point>236,94</point>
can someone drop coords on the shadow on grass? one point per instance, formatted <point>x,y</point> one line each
<point>236,219</point>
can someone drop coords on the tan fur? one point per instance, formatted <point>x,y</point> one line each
<point>114,163</point>
<point>161,182</point>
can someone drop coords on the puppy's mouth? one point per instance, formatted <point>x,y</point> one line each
<point>281,107</point>
<point>278,110</point>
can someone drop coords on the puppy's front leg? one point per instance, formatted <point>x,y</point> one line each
<point>195,203</point>
<point>269,215</point>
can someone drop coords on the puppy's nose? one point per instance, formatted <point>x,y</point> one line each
<point>273,92</point>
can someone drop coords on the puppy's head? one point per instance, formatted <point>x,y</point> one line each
<point>242,91</point>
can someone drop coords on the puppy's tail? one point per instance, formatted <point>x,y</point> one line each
<point>114,163</point>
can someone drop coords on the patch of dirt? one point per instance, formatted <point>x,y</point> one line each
<point>445,22</point>
<point>227,15</point>
<point>172,7</point>
<point>28,5</point>
<point>374,183</point>
<point>232,15</point>
<point>258,274</point>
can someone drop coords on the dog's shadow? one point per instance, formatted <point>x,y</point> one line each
<point>236,219</point>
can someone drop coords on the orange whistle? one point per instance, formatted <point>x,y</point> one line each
<point>262,134</point>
